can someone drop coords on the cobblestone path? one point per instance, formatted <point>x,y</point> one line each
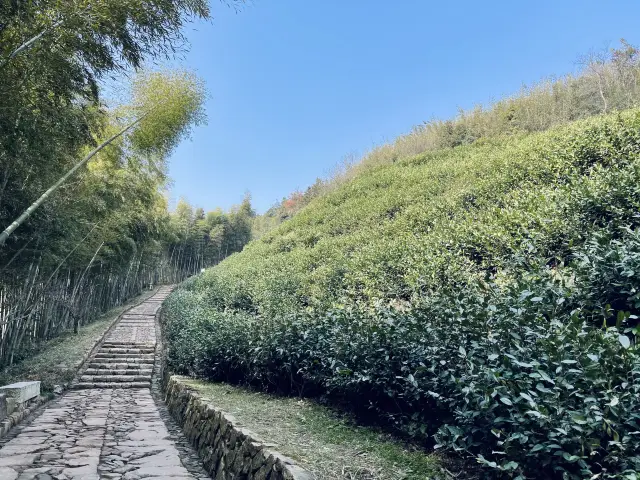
<point>110,426</point>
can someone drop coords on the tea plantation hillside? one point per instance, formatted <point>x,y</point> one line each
<point>484,296</point>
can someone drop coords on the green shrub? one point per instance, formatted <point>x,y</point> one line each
<point>515,374</point>
<point>539,390</point>
<point>486,295</point>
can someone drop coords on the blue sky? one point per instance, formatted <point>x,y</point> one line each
<point>295,85</point>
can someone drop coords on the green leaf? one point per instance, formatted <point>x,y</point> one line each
<point>570,458</point>
<point>624,341</point>
<point>527,397</point>
<point>534,413</point>
<point>546,377</point>
<point>579,419</point>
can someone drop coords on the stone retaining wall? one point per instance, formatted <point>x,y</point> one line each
<point>20,414</point>
<point>227,450</point>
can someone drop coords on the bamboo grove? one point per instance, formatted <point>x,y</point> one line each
<point>103,231</point>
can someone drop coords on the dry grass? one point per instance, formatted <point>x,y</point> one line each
<point>57,360</point>
<point>328,445</point>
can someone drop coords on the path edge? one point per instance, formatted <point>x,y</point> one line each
<point>188,456</point>
<point>221,441</point>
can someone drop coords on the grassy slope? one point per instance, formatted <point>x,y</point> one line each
<point>328,446</point>
<point>398,230</point>
<point>57,360</point>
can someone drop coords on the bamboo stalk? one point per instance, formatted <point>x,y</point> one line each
<point>27,213</point>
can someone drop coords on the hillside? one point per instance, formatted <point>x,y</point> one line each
<point>460,292</point>
<point>431,220</point>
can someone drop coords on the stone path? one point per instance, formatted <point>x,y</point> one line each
<point>125,359</point>
<point>109,426</point>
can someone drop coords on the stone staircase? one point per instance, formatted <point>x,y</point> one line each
<point>126,357</point>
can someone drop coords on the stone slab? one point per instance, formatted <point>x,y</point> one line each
<point>22,391</point>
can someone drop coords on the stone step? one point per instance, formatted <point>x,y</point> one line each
<point>139,317</point>
<point>118,365</point>
<point>141,361</point>
<point>101,370</point>
<point>151,342</point>
<point>135,323</point>
<point>127,350</point>
<point>124,360</point>
<point>115,378</point>
<point>124,355</point>
<point>84,385</point>
<point>129,329</point>
<point>150,319</point>
<point>132,360</point>
<point>128,326</point>
<point>121,362</point>
<point>128,371</point>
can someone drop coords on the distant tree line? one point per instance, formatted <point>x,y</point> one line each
<point>202,239</point>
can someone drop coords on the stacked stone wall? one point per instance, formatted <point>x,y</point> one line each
<point>227,450</point>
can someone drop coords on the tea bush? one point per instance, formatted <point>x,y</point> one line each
<point>517,375</point>
<point>539,391</point>
<point>485,296</point>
